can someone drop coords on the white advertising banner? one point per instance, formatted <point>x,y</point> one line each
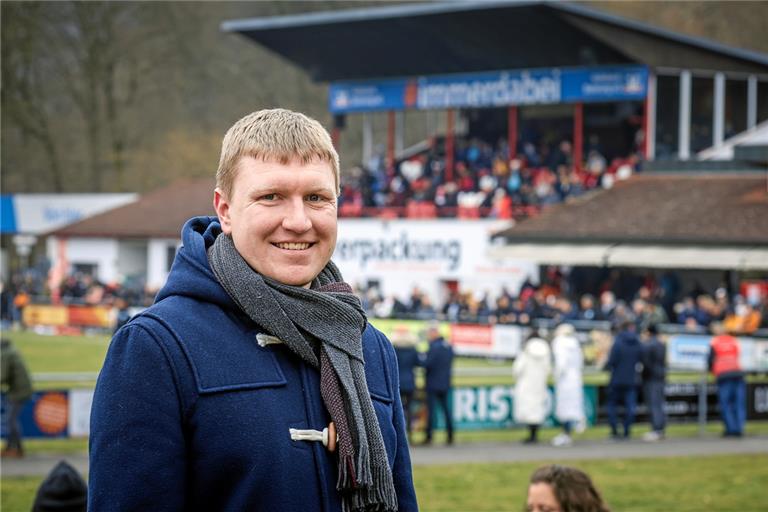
<point>401,254</point>
<point>80,401</point>
<point>40,213</point>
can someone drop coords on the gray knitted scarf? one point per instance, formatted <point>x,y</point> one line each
<point>322,325</point>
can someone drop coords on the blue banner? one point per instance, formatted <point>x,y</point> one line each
<point>7,215</point>
<point>493,89</point>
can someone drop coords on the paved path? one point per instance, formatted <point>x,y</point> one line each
<point>602,449</point>
<point>39,465</point>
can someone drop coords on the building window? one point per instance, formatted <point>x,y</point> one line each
<point>667,116</point>
<point>170,255</point>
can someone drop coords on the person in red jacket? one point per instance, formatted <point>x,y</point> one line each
<point>731,389</point>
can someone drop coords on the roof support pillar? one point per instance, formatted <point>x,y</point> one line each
<point>399,131</point>
<point>512,131</point>
<point>649,121</point>
<point>684,120</point>
<point>449,145</point>
<point>751,102</point>
<point>718,121</point>
<point>578,135</point>
<point>367,138</point>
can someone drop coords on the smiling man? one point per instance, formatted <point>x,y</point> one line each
<point>254,382</point>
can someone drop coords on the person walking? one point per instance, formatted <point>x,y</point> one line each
<point>654,381</point>
<point>531,399</point>
<point>438,363</point>
<point>569,387</point>
<point>404,342</point>
<point>254,382</point>
<point>625,365</point>
<point>17,386</point>
<point>723,362</point>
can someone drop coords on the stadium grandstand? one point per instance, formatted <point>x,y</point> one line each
<point>543,101</point>
<point>572,168</point>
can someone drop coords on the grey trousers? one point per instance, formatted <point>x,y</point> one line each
<point>653,393</point>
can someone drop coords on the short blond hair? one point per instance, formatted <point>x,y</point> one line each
<point>278,135</point>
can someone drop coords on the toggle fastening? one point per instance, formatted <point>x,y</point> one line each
<point>267,339</point>
<point>327,436</point>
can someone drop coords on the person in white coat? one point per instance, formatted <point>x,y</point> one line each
<point>569,389</point>
<point>531,369</point>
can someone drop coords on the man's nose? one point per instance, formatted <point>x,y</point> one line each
<point>295,218</point>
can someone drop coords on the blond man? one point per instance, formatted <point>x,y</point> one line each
<point>254,382</point>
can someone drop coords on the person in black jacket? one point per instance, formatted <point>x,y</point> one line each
<point>404,342</point>
<point>624,363</point>
<point>654,379</point>
<point>438,363</point>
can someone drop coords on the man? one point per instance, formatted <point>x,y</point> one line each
<point>254,382</point>
<point>654,380</point>
<point>17,386</point>
<point>624,363</point>
<point>438,363</point>
<point>724,363</point>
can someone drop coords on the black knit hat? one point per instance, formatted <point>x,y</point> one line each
<point>63,490</point>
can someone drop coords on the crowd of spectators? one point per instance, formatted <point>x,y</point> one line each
<point>486,180</point>
<point>552,301</point>
<point>549,303</point>
<point>78,288</point>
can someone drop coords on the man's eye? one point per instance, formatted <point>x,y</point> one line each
<point>268,197</point>
<point>314,198</point>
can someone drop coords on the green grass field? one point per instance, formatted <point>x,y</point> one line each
<point>727,483</point>
<point>714,483</point>
<point>54,354</point>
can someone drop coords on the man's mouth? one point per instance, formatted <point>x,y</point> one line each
<point>293,246</point>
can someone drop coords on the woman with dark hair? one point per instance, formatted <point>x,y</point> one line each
<point>563,489</point>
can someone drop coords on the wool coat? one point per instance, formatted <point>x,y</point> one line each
<point>531,369</point>
<point>191,413</point>
<point>569,364</point>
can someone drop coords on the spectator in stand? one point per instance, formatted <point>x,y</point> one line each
<point>563,489</point>
<point>438,363</point>
<point>623,362</point>
<point>654,380</point>
<point>17,386</point>
<point>607,305</point>
<point>745,319</point>
<point>587,309</point>
<point>686,310</point>
<point>531,370</point>
<point>723,362</point>
<point>404,342</point>
<point>569,393</point>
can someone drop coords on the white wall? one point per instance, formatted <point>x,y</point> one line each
<point>157,261</point>
<point>132,259</point>
<point>101,252</point>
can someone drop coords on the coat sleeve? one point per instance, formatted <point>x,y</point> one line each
<point>137,455</point>
<point>402,473</point>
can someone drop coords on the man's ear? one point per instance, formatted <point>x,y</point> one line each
<point>221,204</point>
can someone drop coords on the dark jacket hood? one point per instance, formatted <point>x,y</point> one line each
<point>628,338</point>
<point>191,275</point>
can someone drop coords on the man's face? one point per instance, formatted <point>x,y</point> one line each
<point>282,218</point>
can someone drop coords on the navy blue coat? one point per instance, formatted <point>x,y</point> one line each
<point>438,362</point>
<point>625,360</point>
<point>190,413</point>
<point>407,360</point>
